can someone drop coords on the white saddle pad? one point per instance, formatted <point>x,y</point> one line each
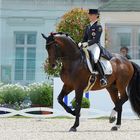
<point>106,65</point>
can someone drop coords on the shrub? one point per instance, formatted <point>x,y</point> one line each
<point>73,23</point>
<point>50,71</point>
<point>1,84</point>
<point>11,94</point>
<point>85,103</point>
<point>41,94</point>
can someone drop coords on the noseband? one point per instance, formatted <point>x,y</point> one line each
<point>49,44</point>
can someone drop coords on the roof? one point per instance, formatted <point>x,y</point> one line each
<point>121,6</point>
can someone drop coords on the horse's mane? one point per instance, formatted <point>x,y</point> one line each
<point>65,35</point>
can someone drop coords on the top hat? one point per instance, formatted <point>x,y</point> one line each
<point>93,11</point>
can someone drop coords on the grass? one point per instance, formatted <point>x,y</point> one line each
<point>102,118</point>
<point>20,117</point>
<point>59,117</point>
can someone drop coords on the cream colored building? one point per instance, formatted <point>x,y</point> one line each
<point>121,21</point>
<point>22,50</point>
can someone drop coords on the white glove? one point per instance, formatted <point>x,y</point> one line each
<point>79,44</point>
<point>84,45</point>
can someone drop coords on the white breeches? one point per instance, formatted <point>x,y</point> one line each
<point>95,50</point>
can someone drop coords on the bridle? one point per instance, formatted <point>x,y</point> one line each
<point>50,43</point>
<point>58,52</point>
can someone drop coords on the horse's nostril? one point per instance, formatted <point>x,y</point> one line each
<point>53,65</point>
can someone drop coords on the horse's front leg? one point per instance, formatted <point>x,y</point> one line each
<point>78,99</point>
<point>113,114</point>
<point>65,91</point>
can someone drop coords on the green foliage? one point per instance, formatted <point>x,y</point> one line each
<point>41,94</point>
<point>85,103</point>
<point>14,95</point>
<point>50,71</point>
<point>11,94</point>
<point>73,23</point>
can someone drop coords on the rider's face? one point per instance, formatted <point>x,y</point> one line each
<point>92,17</point>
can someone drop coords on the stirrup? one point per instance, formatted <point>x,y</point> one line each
<point>103,82</point>
<point>92,78</point>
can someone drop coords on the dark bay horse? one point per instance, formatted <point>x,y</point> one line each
<point>123,83</point>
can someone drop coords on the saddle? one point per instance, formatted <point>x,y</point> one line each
<point>104,60</point>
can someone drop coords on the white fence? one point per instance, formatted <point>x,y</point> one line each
<point>7,112</point>
<point>100,102</point>
<point>100,105</point>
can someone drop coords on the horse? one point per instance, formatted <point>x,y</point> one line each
<point>123,83</point>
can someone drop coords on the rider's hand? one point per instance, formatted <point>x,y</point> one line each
<point>84,45</point>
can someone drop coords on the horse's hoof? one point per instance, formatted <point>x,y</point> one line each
<point>72,129</point>
<point>112,119</point>
<point>114,128</point>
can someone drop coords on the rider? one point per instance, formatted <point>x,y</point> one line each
<point>91,40</point>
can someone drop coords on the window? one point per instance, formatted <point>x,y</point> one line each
<point>19,63</point>
<point>31,38</point>
<point>6,74</point>
<point>124,36</point>
<point>20,39</point>
<point>25,56</point>
<point>30,66</point>
<point>124,39</point>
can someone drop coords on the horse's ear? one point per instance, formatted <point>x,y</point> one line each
<point>67,34</point>
<point>44,36</point>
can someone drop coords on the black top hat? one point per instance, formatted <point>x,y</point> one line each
<point>93,11</point>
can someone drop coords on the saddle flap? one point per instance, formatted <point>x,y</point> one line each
<point>106,65</point>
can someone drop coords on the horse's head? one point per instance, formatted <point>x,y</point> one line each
<point>60,45</point>
<point>52,49</point>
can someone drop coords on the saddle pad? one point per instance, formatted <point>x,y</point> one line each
<point>106,65</point>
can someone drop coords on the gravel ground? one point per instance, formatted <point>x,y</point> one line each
<point>57,129</point>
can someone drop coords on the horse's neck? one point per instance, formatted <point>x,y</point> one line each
<point>70,50</point>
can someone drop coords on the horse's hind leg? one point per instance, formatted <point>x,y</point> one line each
<point>65,91</point>
<point>118,107</point>
<point>118,100</point>
<point>115,97</point>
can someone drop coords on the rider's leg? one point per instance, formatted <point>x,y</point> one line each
<point>92,60</point>
<point>103,80</point>
<point>96,55</point>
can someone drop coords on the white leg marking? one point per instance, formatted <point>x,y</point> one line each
<point>113,113</point>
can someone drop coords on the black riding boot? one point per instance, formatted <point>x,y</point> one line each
<point>103,80</point>
<point>93,66</point>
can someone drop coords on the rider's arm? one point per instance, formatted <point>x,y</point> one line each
<point>96,36</point>
<point>85,38</point>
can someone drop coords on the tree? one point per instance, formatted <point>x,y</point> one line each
<point>73,22</point>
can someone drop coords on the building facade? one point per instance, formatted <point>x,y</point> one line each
<point>122,25</point>
<point>22,49</point>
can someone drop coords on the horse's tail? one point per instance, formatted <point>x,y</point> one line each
<point>134,90</point>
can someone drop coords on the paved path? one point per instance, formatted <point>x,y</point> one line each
<point>57,129</point>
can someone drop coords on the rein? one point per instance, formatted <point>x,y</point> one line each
<point>49,44</point>
<point>59,55</point>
